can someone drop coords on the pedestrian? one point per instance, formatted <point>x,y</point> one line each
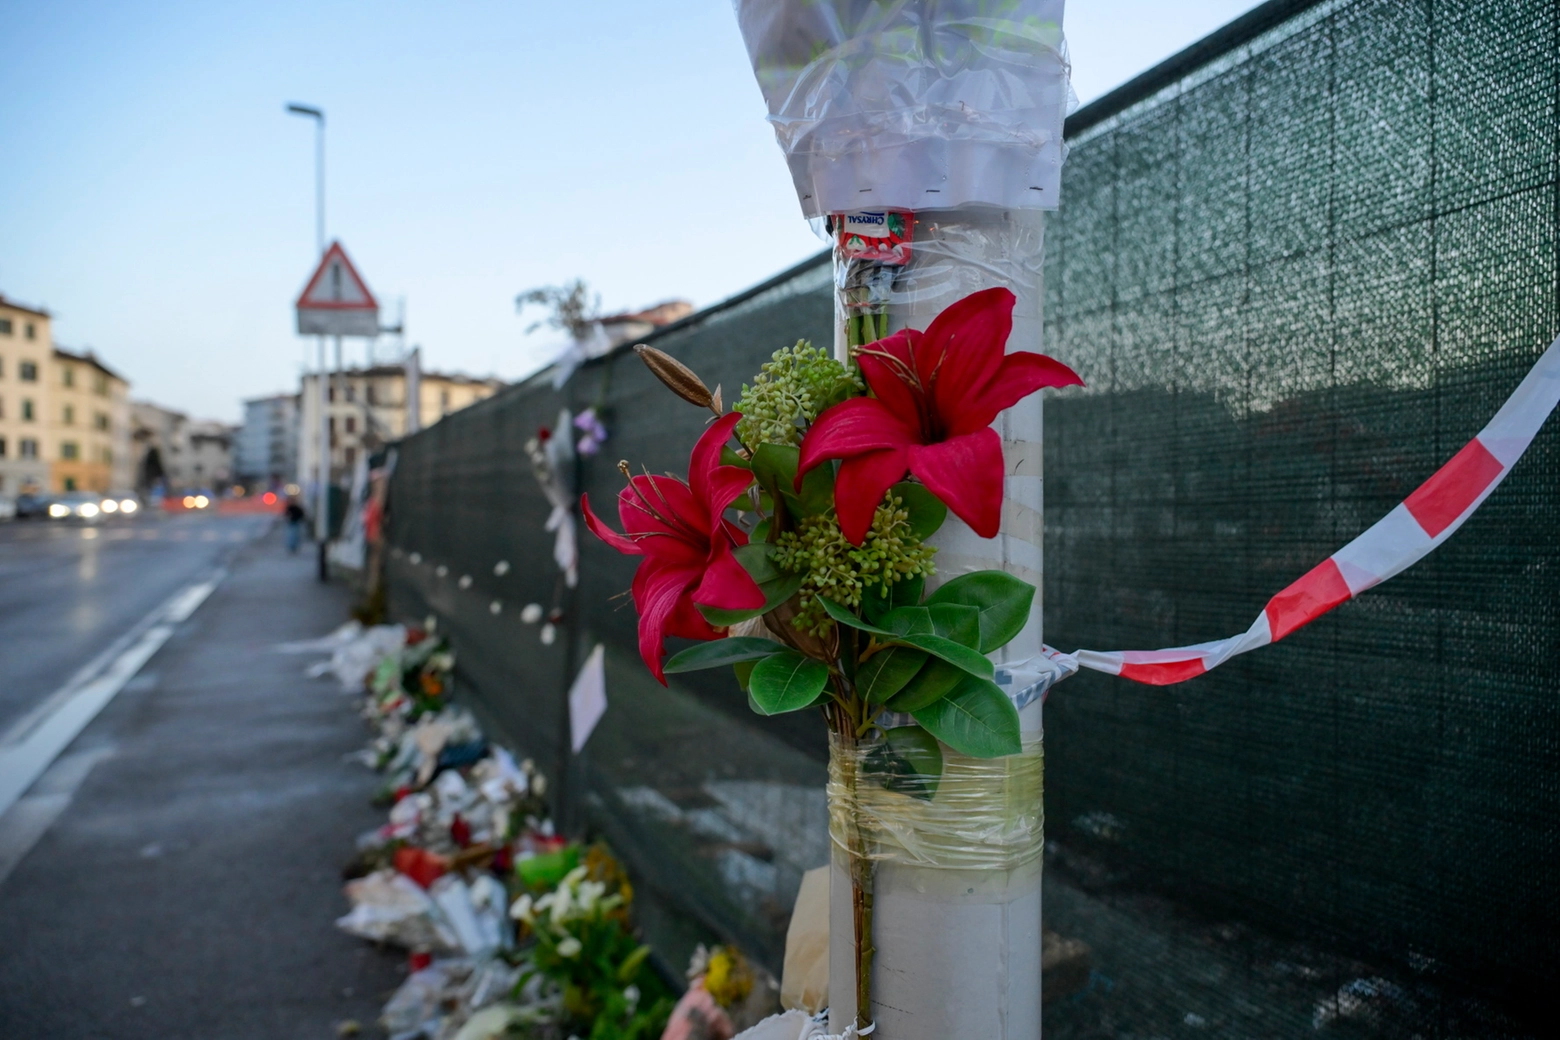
<point>294,515</point>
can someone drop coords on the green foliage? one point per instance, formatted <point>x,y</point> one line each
<point>786,681</point>
<point>886,672</point>
<point>1002,600</point>
<point>835,570</point>
<point>930,683</point>
<point>790,391</point>
<point>731,650</point>
<point>908,619</point>
<point>908,760</point>
<point>975,718</point>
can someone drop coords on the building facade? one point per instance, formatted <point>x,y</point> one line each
<point>265,450</point>
<point>161,443</point>
<point>368,409</point>
<point>209,464</point>
<point>25,344</point>
<point>88,429</point>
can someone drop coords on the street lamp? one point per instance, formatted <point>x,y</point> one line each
<point>322,467</point>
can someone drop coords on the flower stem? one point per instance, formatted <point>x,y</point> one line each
<point>860,873</point>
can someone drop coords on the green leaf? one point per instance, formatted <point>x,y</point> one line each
<point>956,622</point>
<point>910,761</point>
<point>728,457</point>
<point>975,719</point>
<point>774,465</point>
<point>926,510</point>
<point>744,669</point>
<point>627,971</point>
<point>938,646</point>
<point>816,495</point>
<point>786,681</point>
<point>930,684</point>
<point>954,653</point>
<point>904,621</point>
<point>1002,599</point>
<point>906,592</point>
<point>719,652</point>
<point>777,585</point>
<point>885,673</point>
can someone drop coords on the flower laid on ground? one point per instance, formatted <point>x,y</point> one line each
<point>592,433</point>
<point>936,395</point>
<point>686,543</point>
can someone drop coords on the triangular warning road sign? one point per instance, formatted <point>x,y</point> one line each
<point>336,301</point>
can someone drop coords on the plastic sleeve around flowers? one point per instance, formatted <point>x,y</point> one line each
<point>1411,531</point>
<point>911,106</point>
<point>979,814</point>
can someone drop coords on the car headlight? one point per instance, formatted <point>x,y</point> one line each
<point>109,506</point>
<point>87,509</point>
<point>189,501</point>
<point>58,509</point>
<point>201,501</point>
<point>128,505</point>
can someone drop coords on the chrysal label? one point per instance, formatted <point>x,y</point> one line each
<point>867,224</point>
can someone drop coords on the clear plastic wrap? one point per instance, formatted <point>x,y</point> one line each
<point>948,867</point>
<point>914,105</point>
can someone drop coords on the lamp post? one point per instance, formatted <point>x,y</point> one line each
<point>322,392</point>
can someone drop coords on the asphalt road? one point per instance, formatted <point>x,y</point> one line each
<point>68,589</point>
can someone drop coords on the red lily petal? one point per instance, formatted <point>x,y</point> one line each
<point>852,427</point>
<point>658,588</point>
<point>727,584</point>
<point>725,484</point>
<point>687,622</point>
<point>705,459</point>
<point>884,377</point>
<point>664,505</point>
<point>967,343</point>
<point>1021,374</point>
<point>859,488</point>
<point>605,533</point>
<point>966,473</point>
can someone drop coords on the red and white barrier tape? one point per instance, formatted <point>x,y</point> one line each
<point>1394,543</point>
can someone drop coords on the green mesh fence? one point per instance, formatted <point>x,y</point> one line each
<point>1299,267</point>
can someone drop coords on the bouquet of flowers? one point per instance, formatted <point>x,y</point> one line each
<point>796,549</point>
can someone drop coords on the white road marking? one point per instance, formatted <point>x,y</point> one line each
<point>34,741</point>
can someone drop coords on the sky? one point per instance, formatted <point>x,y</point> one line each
<point>159,201</point>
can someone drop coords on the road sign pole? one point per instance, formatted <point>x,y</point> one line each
<point>322,463</point>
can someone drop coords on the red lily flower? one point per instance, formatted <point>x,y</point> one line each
<point>686,544</point>
<point>936,395</point>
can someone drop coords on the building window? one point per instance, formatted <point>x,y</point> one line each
<point>351,393</point>
<point>27,410</point>
<point>27,371</point>
<point>69,451</point>
<point>351,457</point>
<point>70,415</point>
<point>330,424</point>
<point>70,376</point>
<point>100,384</point>
<point>108,456</point>
<point>444,400</point>
<point>70,483</point>
<point>27,448</point>
<point>100,420</point>
<point>2,447</point>
<point>368,393</point>
<point>32,333</point>
<point>5,326</point>
<point>351,424</point>
<point>330,394</point>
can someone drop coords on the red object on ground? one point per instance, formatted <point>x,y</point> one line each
<point>420,865</point>
<point>504,859</point>
<point>460,832</point>
<point>419,959</point>
<point>402,792</point>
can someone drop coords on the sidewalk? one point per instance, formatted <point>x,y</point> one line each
<point>188,887</point>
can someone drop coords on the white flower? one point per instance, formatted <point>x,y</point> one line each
<point>532,613</point>
<point>590,891</point>
<point>631,994</point>
<point>569,947</point>
<point>522,910</point>
<point>575,876</point>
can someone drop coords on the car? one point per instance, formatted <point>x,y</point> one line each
<point>77,505</point>
<point>7,508</point>
<point>31,504</point>
<point>120,504</point>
